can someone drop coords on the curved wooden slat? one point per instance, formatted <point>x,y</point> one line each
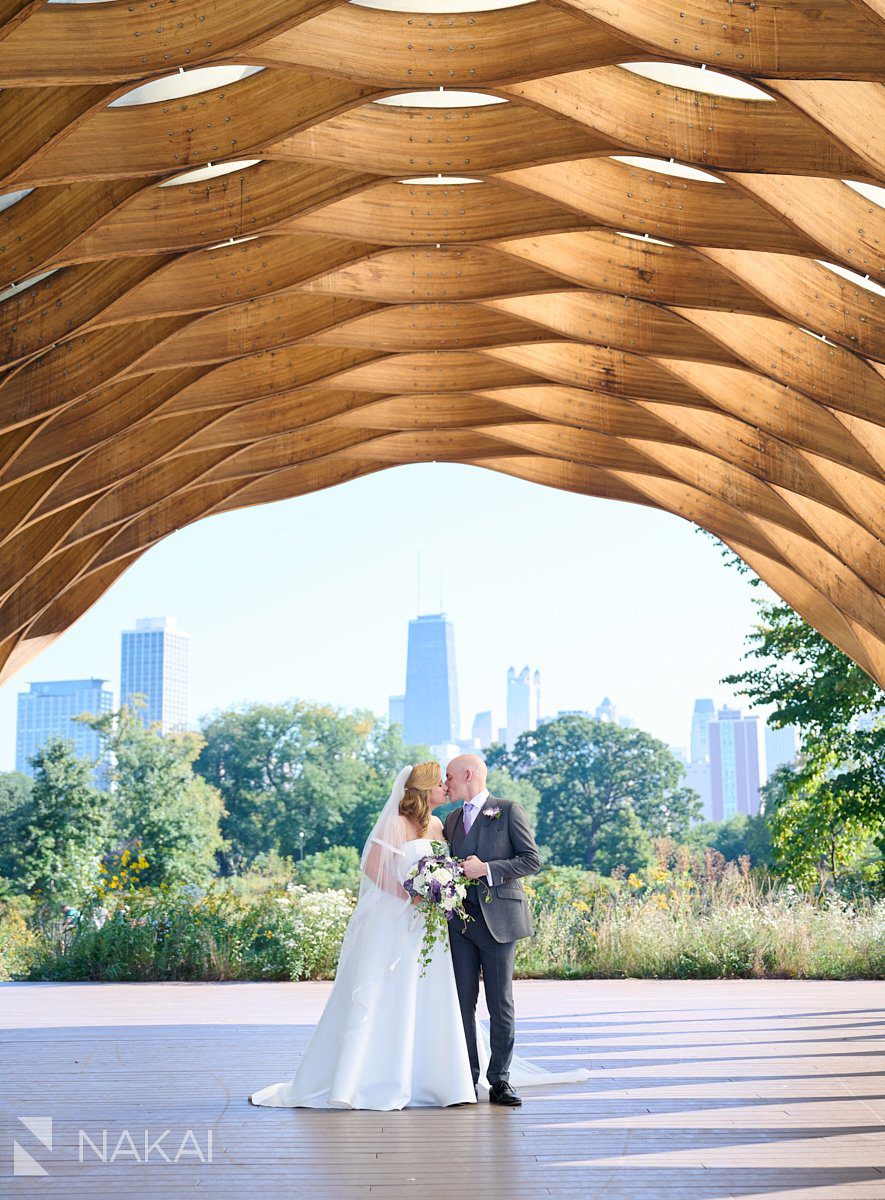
<point>563,303</point>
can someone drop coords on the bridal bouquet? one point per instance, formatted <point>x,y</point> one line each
<point>439,882</point>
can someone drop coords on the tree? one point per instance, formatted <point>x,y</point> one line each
<point>16,806</point>
<point>523,791</point>
<point>738,837</point>
<point>67,825</point>
<point>595,778</point>
<point>623,843</point>
<point>293,769</point>
<point>833,800</point>
<point>823,831</point>
<point>173,813</point>
<point>337,867</point>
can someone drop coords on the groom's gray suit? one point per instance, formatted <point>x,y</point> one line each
<point>488,942</point>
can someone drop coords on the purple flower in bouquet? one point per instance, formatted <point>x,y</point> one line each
<point>438,881</point>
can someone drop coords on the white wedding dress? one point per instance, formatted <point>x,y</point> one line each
<point>388,1038</point>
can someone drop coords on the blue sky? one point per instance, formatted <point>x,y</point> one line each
<point>311,598</point>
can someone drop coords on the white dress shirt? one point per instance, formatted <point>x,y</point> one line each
<point>475,805</point>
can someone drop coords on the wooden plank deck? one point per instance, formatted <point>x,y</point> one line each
<point>702,1090</point>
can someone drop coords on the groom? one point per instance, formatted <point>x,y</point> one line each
<point>493,838</point>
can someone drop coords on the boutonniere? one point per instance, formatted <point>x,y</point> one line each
<point>492,813</point>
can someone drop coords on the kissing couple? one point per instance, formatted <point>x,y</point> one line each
<point>389,1036</point>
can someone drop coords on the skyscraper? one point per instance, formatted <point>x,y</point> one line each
<point>154,662</point>
<point>734,764</point>
<point>607,711</point>
<point>49,708</point>
<point>704,713</point>
<point>780,747</point>
<point>431,706</point>
<point>523,703</point>
<point>396,710</point>
<point>697,775</point>
<point>483,729</point>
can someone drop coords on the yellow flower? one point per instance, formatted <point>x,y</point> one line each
<point>580,906</point>
<point>661,901</point>
<point>125,857</point>
<point>634,881</point>
<point>660,874</point>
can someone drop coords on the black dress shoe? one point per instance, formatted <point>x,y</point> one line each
<point>502,1093</point>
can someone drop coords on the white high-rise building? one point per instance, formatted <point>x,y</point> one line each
<point>523,703</point>
<point>483,730</point>
<point>781,747</point>
<point>697,775</point>
<point>704,713</point>
<point>154,663</point>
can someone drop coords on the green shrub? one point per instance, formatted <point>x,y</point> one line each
<point>712,921</point>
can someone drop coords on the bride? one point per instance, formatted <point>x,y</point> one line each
<point>389,1038</point>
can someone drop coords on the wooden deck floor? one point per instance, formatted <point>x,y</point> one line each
<point>703,1090</point>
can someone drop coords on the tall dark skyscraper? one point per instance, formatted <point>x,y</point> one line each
<point>431,703</point>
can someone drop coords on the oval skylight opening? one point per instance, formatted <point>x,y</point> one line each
<point>184,83</point>
<point>10,198</point>
<point>818,337</point>
<point>210,171</point>
<point>16,289</point>
<point>869,191</point>
<point>436,180</point>
<point>439,6</point>
<point>664,166</point>
<point>697,79</point>
<point>643,237</point>
<point>250,237</point>
<point>441,98</point>
<point>862,281</point>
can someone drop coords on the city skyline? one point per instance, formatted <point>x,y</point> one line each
<point>314,608</point>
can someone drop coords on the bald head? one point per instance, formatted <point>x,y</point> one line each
<point>466,777</point>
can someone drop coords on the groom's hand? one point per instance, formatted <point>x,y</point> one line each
<point>474,868</point>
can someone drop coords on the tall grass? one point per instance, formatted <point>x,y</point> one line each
<point>675,921</point>
<point>731,925</point>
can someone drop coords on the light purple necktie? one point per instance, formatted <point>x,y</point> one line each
<point>468,817</point>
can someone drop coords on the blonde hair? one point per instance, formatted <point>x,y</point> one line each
<point>415,804</point>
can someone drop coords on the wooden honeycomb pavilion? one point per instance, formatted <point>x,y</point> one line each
<point>252,249</point>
